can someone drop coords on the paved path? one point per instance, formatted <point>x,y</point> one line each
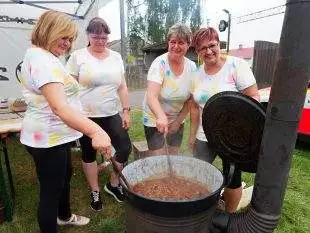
<point>136,99</point>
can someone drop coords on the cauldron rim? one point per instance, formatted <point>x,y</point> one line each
<point>175,208</point>
<point>211,194</point>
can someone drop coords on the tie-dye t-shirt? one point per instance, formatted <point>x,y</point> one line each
<point>175,90</point>
<point>235,75</point>
<point>99,81</point>
<point>41,128</point>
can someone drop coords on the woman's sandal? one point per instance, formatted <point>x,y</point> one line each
<point>74,220</point>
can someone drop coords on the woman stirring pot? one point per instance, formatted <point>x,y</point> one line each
<point>167,98</point>
<point>54,119</point>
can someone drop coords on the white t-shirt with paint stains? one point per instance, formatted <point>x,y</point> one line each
<point>174,90</point>
<point>41,128</point>
<point>99,80</point>
<point>235,75</point>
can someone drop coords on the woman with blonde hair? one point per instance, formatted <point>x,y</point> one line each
<point>53,118</point>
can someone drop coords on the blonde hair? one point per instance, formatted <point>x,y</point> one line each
<point>181,31</point>
<point>52,26</point>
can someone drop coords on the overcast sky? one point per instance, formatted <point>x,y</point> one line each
<point>110,13</point>
<point>244,33</point>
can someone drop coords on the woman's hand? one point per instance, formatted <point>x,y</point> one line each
<point>162,124</point>
<point>174,126</point>
<point>101,142</point>
<point>126,119</point>
<point>191,142</point>
<point>194,123</point>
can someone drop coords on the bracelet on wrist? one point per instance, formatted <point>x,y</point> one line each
<point>126,109</point>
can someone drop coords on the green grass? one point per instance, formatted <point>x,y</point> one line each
<point>294,218</point>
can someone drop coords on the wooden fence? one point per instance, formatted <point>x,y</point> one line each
<point>136,77</point>
<point>264,62</point>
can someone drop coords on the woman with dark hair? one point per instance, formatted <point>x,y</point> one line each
<point>219,72</point>
<point>100,72</point>
<point>53,118</point>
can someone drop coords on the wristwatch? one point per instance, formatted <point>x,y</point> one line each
<point>126,108</point>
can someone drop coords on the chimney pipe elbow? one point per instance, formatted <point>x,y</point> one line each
<point>252,222</point>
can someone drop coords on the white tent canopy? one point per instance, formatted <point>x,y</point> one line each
<point>17,20</point>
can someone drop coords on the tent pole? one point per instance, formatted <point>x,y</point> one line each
<point>39,2</point>
<point>122,26</point>
<point>44,8</point>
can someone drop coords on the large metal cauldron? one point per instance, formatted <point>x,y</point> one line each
<point>145,215</point>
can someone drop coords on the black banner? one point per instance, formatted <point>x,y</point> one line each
<point>5,70</point>
<point>3,78</point>
<point>5,18</point>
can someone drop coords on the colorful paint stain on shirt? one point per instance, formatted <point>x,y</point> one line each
<point>235,75</point>
<point>54,137</point>
<point>175,90</point>
<point>99,79</point>
<point>40,124</point>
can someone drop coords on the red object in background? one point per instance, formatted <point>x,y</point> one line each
<point>245,53</point>
<point>304,123</point>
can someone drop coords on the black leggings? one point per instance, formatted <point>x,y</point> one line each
<point>119,139</point>
<point>54,171</point>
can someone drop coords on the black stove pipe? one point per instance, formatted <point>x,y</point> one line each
<point>287,98</point>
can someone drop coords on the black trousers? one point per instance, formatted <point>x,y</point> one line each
<point>54,171</point>
<point>119,139</point>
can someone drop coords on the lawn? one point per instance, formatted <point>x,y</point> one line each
<point>295,216</point>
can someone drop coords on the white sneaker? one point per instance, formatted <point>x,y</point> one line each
<point>75,220</point>
<point>245,198</point>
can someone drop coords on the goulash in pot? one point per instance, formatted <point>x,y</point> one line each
<point>171,188</point>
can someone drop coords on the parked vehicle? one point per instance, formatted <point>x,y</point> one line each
<point>304,123</point>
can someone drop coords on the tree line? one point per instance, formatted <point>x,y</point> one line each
<point>149,20</point>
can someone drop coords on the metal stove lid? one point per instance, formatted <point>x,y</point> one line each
<point>233,124</point>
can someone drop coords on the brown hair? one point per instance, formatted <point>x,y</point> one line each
<point>204,33</point>
<point>51,26</point>
<point>97,26</point>
<point>181,31</point>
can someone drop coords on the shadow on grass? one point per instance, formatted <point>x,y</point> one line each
<point>302,150</point>
<point>303,145</point>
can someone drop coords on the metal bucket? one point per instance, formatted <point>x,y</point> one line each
<point>167,216</point>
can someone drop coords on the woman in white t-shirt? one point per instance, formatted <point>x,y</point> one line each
<point>217,73</point>
<point>167,97</point>
<point>53,118</point>
<point>100,72</point>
